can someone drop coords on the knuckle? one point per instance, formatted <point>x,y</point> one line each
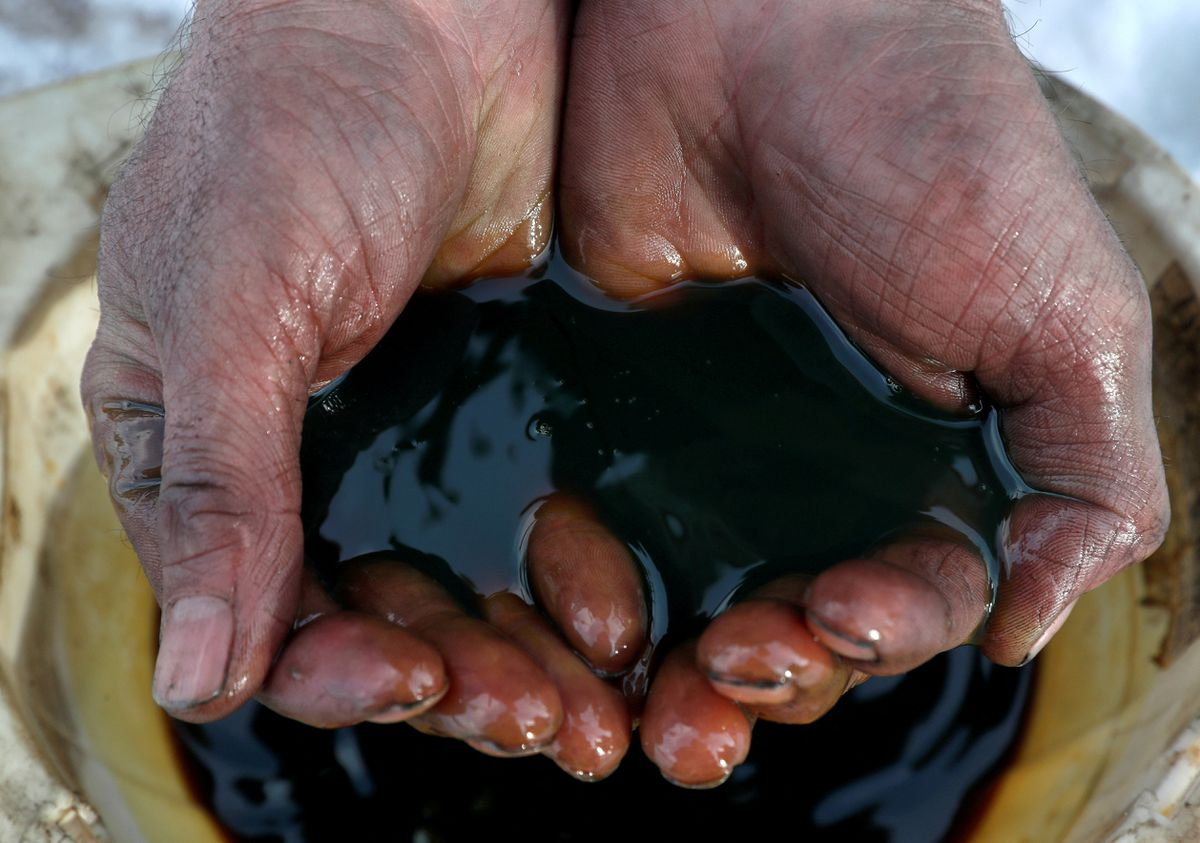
<point>203,503</point>
<point>201,473</point>
<point>209,527</point>
<point>208,477</point>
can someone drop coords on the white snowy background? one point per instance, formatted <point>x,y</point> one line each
<point>1141,57</point>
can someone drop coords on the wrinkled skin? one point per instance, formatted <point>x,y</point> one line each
<point>304,170</point>
<point>897,158</point>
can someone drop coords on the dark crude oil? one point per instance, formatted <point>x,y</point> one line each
<point>727,433</point>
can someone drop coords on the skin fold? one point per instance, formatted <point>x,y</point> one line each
<point>308,168</point>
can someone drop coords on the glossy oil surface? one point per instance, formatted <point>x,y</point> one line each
<point>727,433</point>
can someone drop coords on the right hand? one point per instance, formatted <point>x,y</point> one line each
<point>307,168</point>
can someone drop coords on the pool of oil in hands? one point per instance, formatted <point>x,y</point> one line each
<point>727,433</point>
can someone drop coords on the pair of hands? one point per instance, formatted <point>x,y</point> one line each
<point>311,164</point>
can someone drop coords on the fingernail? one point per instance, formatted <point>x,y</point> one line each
<point>848,646</point>
<point>193,652</point>
<point>744,682</point>
<point>754,692</point>
<point>1050,632</point>
<point>397,712</point>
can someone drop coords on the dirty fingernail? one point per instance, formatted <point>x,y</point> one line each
<point>845,645</point>
<point>193,654</point>
<point>1050,632</point>
<point>401,711</point>
<point>755,692</point>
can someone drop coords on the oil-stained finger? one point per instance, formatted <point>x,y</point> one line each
<point>500,701</point>
<point>902,606</point>
<point>588,583</point>
<point>346,667</point>
<point>762,652</point>
<point>596,727</point>
<point>693,734</point>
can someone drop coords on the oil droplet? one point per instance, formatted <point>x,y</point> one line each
<point>539,427</point>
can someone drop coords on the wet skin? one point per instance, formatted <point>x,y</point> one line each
<point>306,169</point>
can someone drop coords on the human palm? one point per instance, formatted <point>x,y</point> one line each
<point>896,158</point>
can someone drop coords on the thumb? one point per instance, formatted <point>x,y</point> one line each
<point>230,543</point>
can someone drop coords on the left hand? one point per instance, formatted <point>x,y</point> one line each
<point>897,158</point>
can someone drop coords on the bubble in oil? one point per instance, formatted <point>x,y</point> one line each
<point>539,427</point>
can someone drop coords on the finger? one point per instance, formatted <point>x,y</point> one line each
<point>693,734</point>
<point>315,601</point>
<point>229,532</point>
<point>890,612</point>
<point>642,203</point>
<point>347,667</point>
<point>762,653</point>
<point>500,701</point>
<point>1054,552</point>
<point>216,521</point>
<point>805,708</point>
<point>596,728</point>
<point>587,582</point>
<point>341,667</point>
<point>815,700</point>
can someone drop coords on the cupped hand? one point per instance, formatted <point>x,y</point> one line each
<point>898,159</point>
<point>307,168</point>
